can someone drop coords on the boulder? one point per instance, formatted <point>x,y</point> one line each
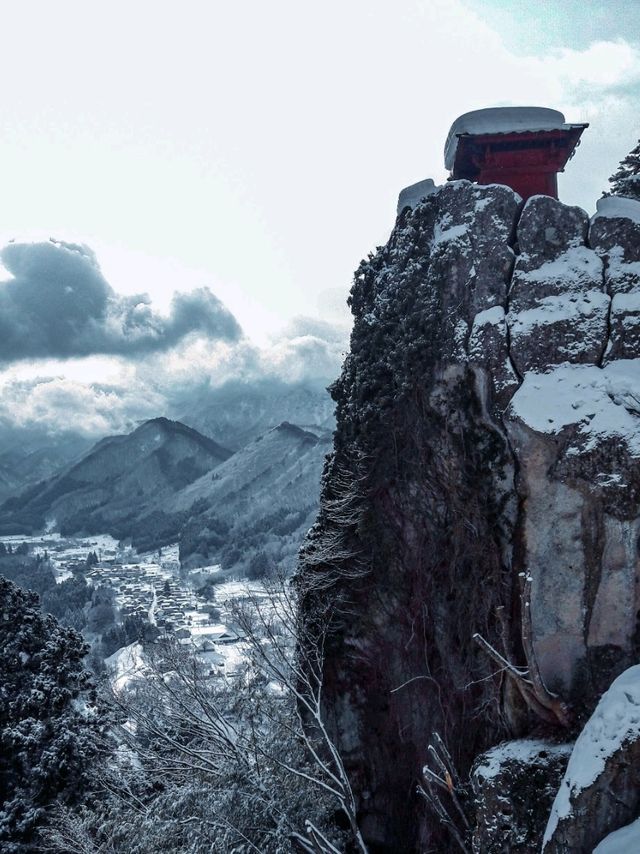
<point>600,790</point>
<point>615,235</point>
<point>514,785</point>
<point>547,228</point>
<point>558,310</point>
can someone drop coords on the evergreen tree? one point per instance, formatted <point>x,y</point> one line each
<point>626,181</point>
<point>47,723</point>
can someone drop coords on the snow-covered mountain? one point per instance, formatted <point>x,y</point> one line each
<point>166,482</point>
<point>258,503</point>
<point>31,455</point>
<point>117,484</point>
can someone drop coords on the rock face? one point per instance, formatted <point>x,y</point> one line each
<point>602,780</point>
<point>514,786</point>
<point>485,479</point>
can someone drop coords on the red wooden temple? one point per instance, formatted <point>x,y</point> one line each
<point>522,147</point>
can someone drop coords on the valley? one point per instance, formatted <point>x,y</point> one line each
<point>149,592</point>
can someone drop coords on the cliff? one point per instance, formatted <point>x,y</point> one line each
<point>477,540</point>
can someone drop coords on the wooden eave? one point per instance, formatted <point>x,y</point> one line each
<point>546,150</point>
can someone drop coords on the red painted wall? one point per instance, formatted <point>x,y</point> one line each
<point>525,183</point>
<point>527,162</point>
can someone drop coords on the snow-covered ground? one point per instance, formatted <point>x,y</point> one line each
<point>167,554</point>
<point>126,665</point>
<point>230,590</point>
<point>65,551</point>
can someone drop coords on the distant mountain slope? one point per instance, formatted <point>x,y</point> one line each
<point>237,412</point>
<point>117,483</point>
<point>28,456</point>
<point>256,505</point>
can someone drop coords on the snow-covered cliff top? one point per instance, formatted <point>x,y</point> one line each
<point>412,195</point>
<point>618,206</point>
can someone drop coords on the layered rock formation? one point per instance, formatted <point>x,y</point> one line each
<point>484,482</point>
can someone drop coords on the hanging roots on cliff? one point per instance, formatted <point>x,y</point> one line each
<point>329,556</point>
<point>542,702</point>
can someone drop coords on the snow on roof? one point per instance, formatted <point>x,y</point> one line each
<point>621,841</point>
<point>412,195</point>
<point>618,206</point>
<point>602,402</point>
<point>502,120</point>
<point>615,721</point>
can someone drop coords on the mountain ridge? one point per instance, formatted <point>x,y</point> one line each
<point>97,494</point>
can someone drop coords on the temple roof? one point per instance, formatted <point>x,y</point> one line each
<point>503,120</point>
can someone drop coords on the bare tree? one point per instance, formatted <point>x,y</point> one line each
<point>243,763</point>
<point>290,651</point>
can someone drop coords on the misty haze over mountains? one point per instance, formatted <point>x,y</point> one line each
<point>252,489</point>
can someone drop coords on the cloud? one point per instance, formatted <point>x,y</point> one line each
<point>59,404</point>
<point>604,65</point>
<point>59,305</point>
<point>54,398</point>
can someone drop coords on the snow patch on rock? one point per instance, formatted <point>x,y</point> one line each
<point>411,196</point>
<point>619,207</point>
<point>623,841</point>
<point>615,721</point>
<point>489,317</point>
<point>602,402</point>
<point>573,268</point>
<point>564,307</point>
<point>523,750</point>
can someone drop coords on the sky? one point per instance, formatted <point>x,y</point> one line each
<point>220,168</point>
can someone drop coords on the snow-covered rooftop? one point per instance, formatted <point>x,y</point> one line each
<point>502,120</point>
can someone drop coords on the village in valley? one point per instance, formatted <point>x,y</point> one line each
<point>194,606</point>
